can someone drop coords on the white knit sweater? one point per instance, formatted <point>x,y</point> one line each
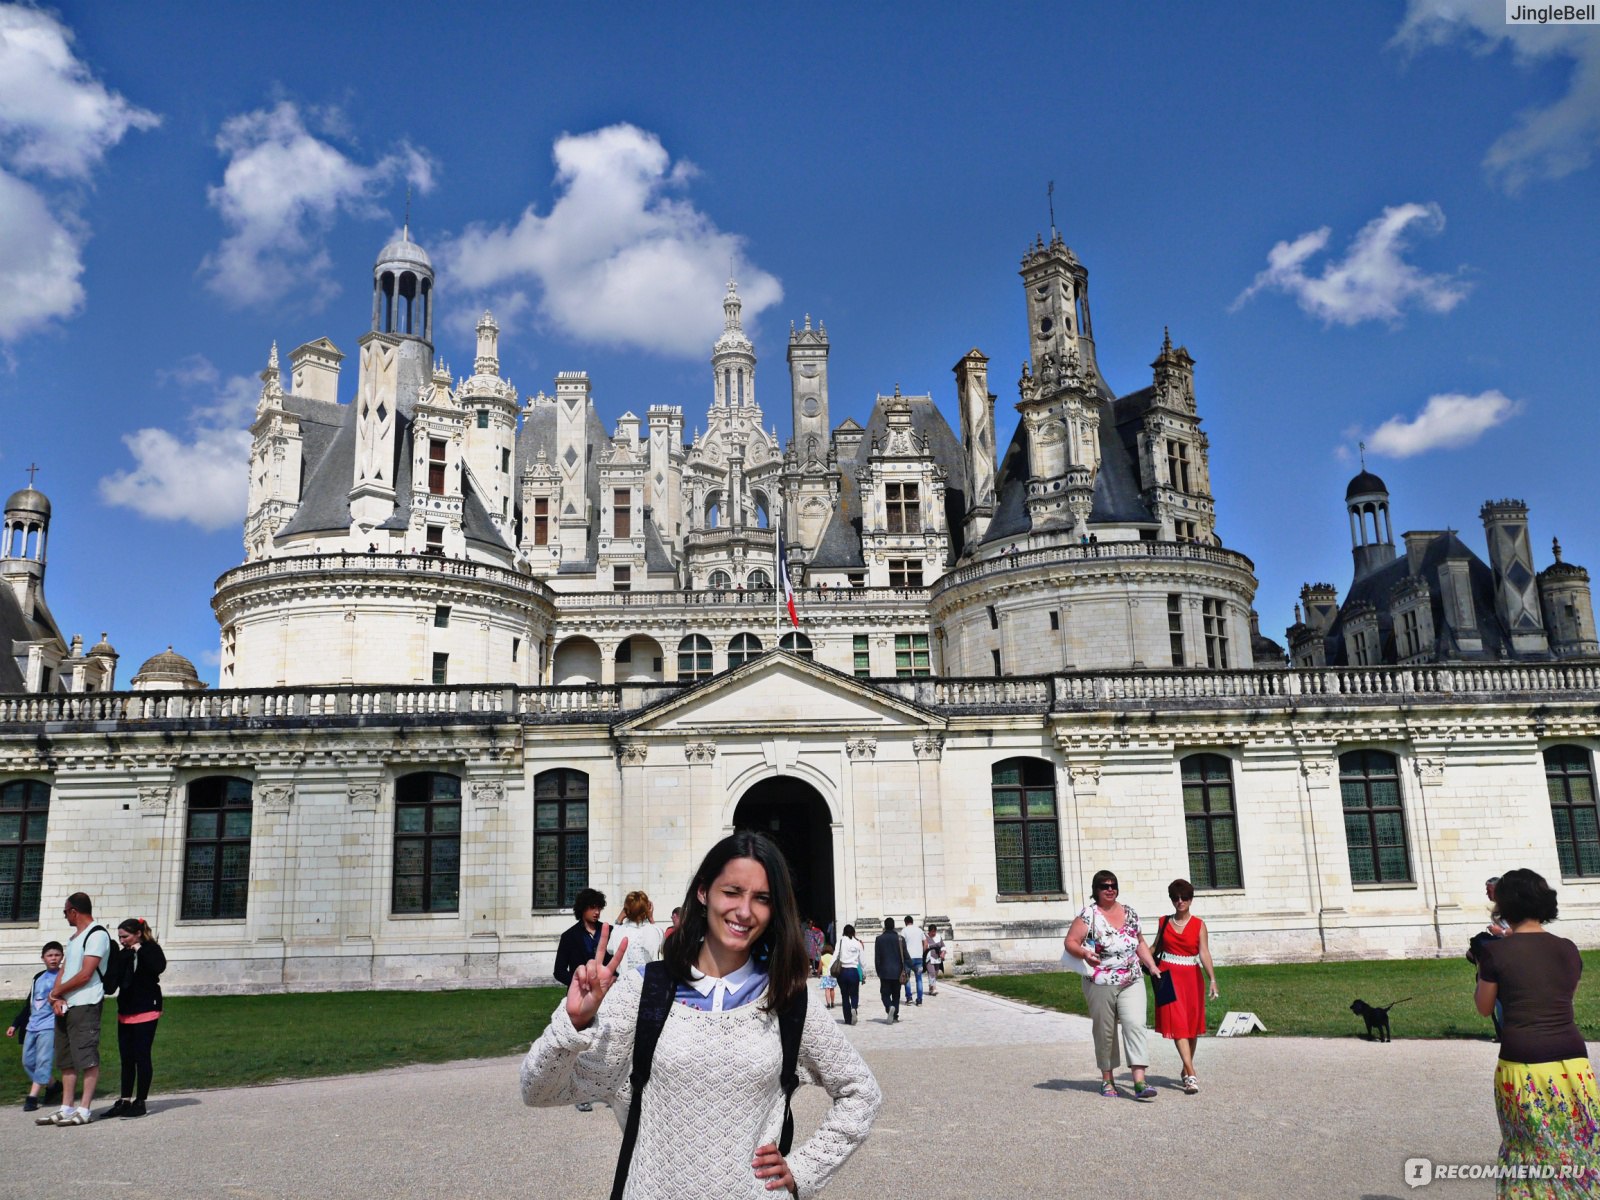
<point>713,1096</point>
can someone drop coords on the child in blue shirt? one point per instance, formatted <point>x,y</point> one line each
<point>37,1020</point>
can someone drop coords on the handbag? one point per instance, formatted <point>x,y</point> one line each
<point>1166,990</point>
<point>1073,963</point>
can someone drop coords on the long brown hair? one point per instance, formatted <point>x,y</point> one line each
<point>782,948</point>
<point>140,926</point>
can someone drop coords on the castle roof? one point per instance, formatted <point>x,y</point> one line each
<point>1365,484</point>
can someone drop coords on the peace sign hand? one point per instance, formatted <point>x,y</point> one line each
<point>592,980</point>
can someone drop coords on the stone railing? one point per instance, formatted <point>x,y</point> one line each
<point>1103,551</point>
<point>808,600</point>
<point>375,564</point>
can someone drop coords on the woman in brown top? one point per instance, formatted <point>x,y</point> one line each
<point>1545,1090</point>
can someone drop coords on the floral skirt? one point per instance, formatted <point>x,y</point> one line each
<point>1549,1129</point>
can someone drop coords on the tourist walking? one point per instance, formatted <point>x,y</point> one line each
<point>637,925</point>
<point>706,1031</point>
<point>1545,1090</point>
<point>77,997</point>
<point>917,949</point>
<point>815,940</point>
<point>934,958</point>
<point>35,1025</point>
<point>585,938</point>
<point>850,972</point>
<point>893,967</point>
<point>1105,935</point>
<point>830,984</point>
<point>1183,948</point>
<point>138,986</point>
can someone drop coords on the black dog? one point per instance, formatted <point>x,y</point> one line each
<point>1376,1018</point>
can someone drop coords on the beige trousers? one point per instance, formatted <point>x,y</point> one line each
<point>1110,1006</point>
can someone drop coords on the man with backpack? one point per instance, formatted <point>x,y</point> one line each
<point>77,998</point>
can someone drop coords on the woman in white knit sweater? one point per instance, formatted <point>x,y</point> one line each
<point>713,1106</point>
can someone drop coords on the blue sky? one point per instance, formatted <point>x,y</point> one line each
<point>1366,222</point>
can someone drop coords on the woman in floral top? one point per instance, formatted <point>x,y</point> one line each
<point>1106,936</point>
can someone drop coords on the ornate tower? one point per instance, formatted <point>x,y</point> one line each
<point>1371,534</point>
<point>977,438</point>
<point>1568,608</point>
<point>733,359</point>
<point>1174,463</point>
<point>491,406</point>
<point>22,557</point>
<point>1516,587</point>
<point>808,380</point>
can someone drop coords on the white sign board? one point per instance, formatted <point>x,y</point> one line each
<point>1237,1024</point>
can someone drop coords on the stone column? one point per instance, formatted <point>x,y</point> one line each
<point>860,783</point>
<point>929,749</point>
<point>631,856</point>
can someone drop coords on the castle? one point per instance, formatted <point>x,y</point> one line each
<point>481,653</point>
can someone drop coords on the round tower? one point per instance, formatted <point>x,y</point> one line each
<point>22,555</point>
<point>1366,499</point>
<point>402,290</point>
<point>733,359</point>
<point>1568,608</point>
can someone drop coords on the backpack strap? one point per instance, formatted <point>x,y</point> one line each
<point>791,1024</point>
<point>655,1002</point>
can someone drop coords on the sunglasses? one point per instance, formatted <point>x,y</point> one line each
<point>1107,887</point>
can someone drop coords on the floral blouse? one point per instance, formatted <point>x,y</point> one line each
<point>1118,948</point>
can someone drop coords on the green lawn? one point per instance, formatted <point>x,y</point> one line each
<point>1313,999</point>
<point>223,1041</point>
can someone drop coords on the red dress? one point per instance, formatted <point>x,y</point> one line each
<point>1185,1017</point>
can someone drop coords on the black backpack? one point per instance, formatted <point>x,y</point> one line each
<point>109,968</point>
<point>655,1002</point>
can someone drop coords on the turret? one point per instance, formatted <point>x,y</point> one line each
<point>808,383</point>
<point>491,406</point>
<point>977,440</point>
<point>733,359</point>
<point>22,557</point>
<point>1568,608</point>
<point>1516,587</point>
<point>1366,499</point>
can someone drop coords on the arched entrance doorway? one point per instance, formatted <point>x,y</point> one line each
<point>794,814</point>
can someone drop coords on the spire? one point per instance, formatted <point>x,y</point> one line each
<point>1555,548</point>
<point>732,306</point>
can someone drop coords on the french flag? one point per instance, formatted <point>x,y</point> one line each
<point>788,588</point>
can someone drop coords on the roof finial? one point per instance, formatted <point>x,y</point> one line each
<point>1555,548</point>
<point>33,469</point>
<point>1166,339</point>
<point>1361,448</point>
<point>408,212</point>
<point>1050,196</point>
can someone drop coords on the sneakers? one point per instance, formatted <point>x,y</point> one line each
<point>1191,1085</point>
<point>1108,1090</point>
<point>57,1117</point>
<point>119,1108</point>
<point>1143,1091</point>
<point>80,1116</point>
<point>31,1104</point>
<point>135,1109</point>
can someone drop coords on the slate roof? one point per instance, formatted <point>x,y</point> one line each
<point>839,548</point>
<point>18,626</point>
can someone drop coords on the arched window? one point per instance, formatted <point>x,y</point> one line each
<point>694,657</point>
<point>1027,837</point>
<point>720,581</point>
<point>24,813</point>
<point>1569,774</point>
<point>1210,822</point>
<point>1374,817</point>
<point>796,643</point>
<point>742,649</point>
<point>427,843</point>
<point>560,837</point>
<point>216,850</point>
<point>758,581</point>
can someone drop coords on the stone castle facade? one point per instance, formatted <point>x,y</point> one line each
<point>482,652</point>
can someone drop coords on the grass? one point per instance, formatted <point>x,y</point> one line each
<point>226,1041</point>
<point>1313,999</point>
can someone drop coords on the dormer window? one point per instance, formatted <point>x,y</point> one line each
<point>436,466</point>
<point>904,508</point>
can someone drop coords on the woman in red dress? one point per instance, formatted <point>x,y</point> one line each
<point>1184,948</point>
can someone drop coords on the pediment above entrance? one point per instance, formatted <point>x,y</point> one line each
<point>779,691</point>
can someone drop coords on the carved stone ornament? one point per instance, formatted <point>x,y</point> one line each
<point>1430,771</point>
<point>276,795</point>
<point>1318,772</point>
<point>1085,776</point>
<point>155,799</point>
<point>633,754</point>
<point>363,795</point>
<point>861,747</point>
<point>487,793</point>
<point>699,752</point>
<point>930,746</point>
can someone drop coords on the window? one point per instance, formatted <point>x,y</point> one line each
<point>1374,817</point>
<point>1363,655</point>
<point>995,654</point>
<point>1216,627</point>
<point>694,658</point>
<point>24,813</point>
<point>483,418</point>
<point>1178,465</point>
<point>625,652</point>
<point>858,579</point>
<point>441,668</point>
<point>911,655</point>
<point>1175,627</point>
<point>505,461</point>
<point>994,618</point>
<point>796,643</point>
<point>435,467</point>
<point>435,540</point>
<point>427,843</point>
<point>516,648</point>
<point>1055,619</point>
<point>1410,634</point>
<point>905,513</point>
<point>905,572</point>
<point>720,581</point>
<point>742,649</point>
<point>759,581</point>
<point>1210,822</point>
<point>1185,531</point>
<point>621,578</point>
<point>441,616</point>
<point>560,837</point>
<point>216,850</point>
<point>861,656</point>
<point>541,522</point>
<point>1027,838</point>
<point>1569,774</point>
<point>621,514</point>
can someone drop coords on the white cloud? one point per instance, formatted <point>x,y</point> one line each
<point>40,261</point>
<point>1447,422</point>
<point>620,259</point>
<point>55,117</point>
<point>58,121</point>
<point>280,193</point>
<point>1371,282</point>
<point>200,475</point>
<point>1544,143</point>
